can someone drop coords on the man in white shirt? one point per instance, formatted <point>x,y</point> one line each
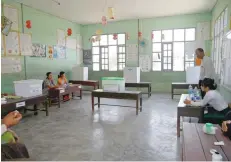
<point>207,67</point>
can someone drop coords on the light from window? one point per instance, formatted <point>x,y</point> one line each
<point>167,35</point>
<point>95,43</point>
<point>179,35</point>
<point>225,17</point>
<point>156,47</point>
<point>167,56</point>
<point>121,39</point>
<point>96,66</point>
<point>178,56</point>
<point>156,66</point>
<point>111,41</point>
<point>95,50</point>
<point>222,21</point>
<point>156,36</point>
<point>95,58</point>
<point>112,58</point>
<point>190,34</point>
<point>103,40</point>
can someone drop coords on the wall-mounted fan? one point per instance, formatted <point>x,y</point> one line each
<point>6,25</point>
<point>142,42</point>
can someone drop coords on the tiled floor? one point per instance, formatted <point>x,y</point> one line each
<point>111,133</point>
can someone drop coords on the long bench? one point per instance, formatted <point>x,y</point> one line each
<point>147,85</point>
<point>129,95</point>
<point>180,85</point>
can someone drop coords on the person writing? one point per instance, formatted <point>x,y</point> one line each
<point>62,81</point>
<point>213,98</point>
<point>207,69</point>
<point>48,83</point>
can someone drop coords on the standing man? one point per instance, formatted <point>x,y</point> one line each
<point>207,68</point>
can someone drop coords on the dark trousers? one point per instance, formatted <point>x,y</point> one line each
<point>14,151</point>
<point>202,92</point>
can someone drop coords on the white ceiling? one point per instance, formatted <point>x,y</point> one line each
<point>91,11</point>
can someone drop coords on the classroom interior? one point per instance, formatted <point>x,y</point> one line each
<point>133,35</point>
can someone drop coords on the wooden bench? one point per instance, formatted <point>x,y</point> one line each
<point>129,95</point>
<point>92,83</point>
<point>23,103</point>
<point>180,85</point>
<point>141,85</point>
<point>55,94</point>
<point>196,144</point>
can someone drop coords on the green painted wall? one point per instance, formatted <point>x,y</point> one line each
<point>161,81</point>
<point>219,7</point>
<point>43,31</point>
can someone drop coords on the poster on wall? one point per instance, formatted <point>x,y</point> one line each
<point>132,54</point>
<point>59,52</point>
<point>50,51</point>
<point>38,50</point>
<point>145,63</point>
<point>61,41</point>
<point>87,57</point>
<point>10,65</point>
<point>12,14</point>
<point>25,44</point>
<point>12,43</point>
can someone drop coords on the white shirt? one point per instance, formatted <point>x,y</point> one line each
<point>214,99</point>
<point>207,68</point>
<point>4,129</point>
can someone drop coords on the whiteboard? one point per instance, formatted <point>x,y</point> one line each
<point>11,65</point>
<point>25,44</point>
<point>193,75</point>
<point>12,43</point>
<point>71,43</point>
<point>12,14</point>
<point>61,41</point>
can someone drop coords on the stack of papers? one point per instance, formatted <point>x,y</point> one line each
<point>3,101</point>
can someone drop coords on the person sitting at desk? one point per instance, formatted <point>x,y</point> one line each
<point>62,81</point>
<point>48,83</point>
<point>213,98</point>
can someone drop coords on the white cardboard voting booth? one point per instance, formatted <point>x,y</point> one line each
<point>79,73</point>
<point>113,84</point>
<point>132,74</point>
<point>193,75</point>
<point>28,88</point>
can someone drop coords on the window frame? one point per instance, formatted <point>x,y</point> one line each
<point>172,42</point>
<point>107,46</point>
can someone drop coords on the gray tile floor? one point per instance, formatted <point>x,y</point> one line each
<point>111,133</point>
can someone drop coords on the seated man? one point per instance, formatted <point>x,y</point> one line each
<point>11,148</point>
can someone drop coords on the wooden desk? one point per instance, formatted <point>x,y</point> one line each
<point>180,85</point>
<point>55,94</point>
<point>129,95</point>
<point>196,144</point>
<point>189,111</point>
<point>141,85</point>
<point>23,103</point>
<point>92,83</point>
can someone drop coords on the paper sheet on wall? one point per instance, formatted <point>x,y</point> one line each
<point>145,63</point>
<point>79,42</point>
<point>12,43</point>
<point>61,37</point>
<point>203,31</point>
<point>71,43</point>
<point>38,50</point>
<point>132,54</point>
<point>26,44</point>
<point>2,45</point>
<point>11,65</point>
<point>190,48</point>
<point>12,14</point>
<point>59,52</point>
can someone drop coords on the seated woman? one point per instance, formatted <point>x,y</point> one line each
<point>62,81</point>
<point>48,83</point>
<point>212,97</point>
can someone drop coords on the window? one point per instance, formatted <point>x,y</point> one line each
<point>169,49</point>
<point>108,53</point>
<point>218,43</point>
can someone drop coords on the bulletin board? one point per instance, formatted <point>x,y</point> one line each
<point>10,65</point>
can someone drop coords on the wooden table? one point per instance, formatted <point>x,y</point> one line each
<point>92,83</point>
<point>23,103</point>
<point>189,111</point>
<point>129,95</point>
<point>141,85</point>
<point>180,85</point>
<point>196,144</point>
<point>55,94</point>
